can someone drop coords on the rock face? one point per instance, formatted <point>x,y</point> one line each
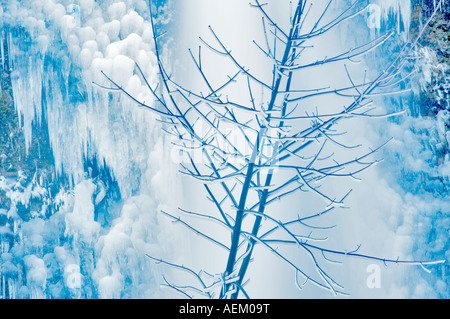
<point>433,67</point>
<point>433,58</point>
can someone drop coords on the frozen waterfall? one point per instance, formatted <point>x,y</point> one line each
<point>105,149</point>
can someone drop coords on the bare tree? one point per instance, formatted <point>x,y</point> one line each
<point>255,153</point>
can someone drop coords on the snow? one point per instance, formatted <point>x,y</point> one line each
<point>85,58</point>
<point>102,40</point>
<point>36,275</point>
<point>117,10</point>
<point>110,287</point>
<point>123,68</point>
<point>118,249</point>
<point>131,22</point>
<point>114,29</point>
<point>80,223</point>
<point>87,6</point>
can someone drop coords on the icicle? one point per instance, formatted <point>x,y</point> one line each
<point>400,10</point>
<point>3,287</point>
<point>10,51</point>
<point>12,289</point>
<point>2,50</point>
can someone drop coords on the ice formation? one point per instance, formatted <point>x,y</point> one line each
<point>56,52</point>
<point>398,11</point>
<point>90,39</point>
